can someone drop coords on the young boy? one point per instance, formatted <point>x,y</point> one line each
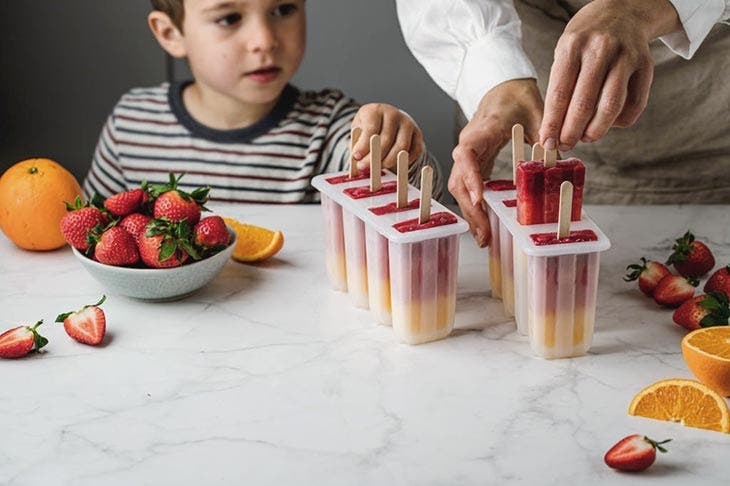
<point>239,126</point>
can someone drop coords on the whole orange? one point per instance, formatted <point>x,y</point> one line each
<point>32,195</point>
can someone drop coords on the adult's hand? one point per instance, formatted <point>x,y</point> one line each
<point>515,101</point>
<point>602,70</point>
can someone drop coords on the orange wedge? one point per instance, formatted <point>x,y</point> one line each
<point>707,354</point>
<point>688,402</point>
<point>253,243</point>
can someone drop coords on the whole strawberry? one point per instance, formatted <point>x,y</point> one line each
<point>211,232</point>
<point>125,203</point>
<point>673,290</point>
<point>705,310</point>
<point>135,223</point>
<point>176,205</point>
<point>116,246</point>
<point>166,244</point>
<point>87,325</point>
<point>634,453</point>
<point>649,273</point>
<point>719,281</point>
<point>691,258</point>
<point>79,222</point>
<point>19,341</point>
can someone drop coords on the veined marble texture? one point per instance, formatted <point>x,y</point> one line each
<point>267,376</point>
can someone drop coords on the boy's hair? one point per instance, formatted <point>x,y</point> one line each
<point>173,8</point>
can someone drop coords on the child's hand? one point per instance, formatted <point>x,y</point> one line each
<point>397,132</point>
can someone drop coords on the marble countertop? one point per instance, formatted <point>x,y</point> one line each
<point>269,377</point>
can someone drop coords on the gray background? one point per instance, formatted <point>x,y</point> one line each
<point>63,65</point>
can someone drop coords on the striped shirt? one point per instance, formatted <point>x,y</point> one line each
<point>150,133</point>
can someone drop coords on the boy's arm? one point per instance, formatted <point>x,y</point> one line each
<point>105,177</point>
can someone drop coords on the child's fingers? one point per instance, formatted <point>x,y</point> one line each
<point>388,137</point>
<point>402,141</point>
<point>416,149</point>
<point>370,120</point>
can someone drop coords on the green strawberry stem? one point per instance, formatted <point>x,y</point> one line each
<point>62,317</point>
<point>38,340</point>
<point>635,270</point>
<point>657,445</point>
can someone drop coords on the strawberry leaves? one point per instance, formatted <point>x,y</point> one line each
<point>175,236</point>
<point>719,309</point>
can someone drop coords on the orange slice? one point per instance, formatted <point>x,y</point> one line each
<point>707,354</point>
<point>688,402</point>
<point>253,243</point>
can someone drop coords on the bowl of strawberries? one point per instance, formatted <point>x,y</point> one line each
<point>150,243</point>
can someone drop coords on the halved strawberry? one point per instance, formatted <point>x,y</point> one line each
<point>691,258</point>
<point>19,341</point>
<point>672,290</point>
<point>634,453</point>
<point>116,246</point>
<point>125,203</point>
<point>705,310</point>
<point>649,273</point>
<point>87,325</point>
<point>719,281</point>
<point>80,221</point>
<point>177,205</point>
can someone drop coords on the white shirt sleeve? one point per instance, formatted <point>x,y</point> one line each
<point>697,17</point>
<point>466,46</point>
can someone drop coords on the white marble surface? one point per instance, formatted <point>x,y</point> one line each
<point>269,377</point>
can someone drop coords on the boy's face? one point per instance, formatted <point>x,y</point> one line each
<point>244,49</point>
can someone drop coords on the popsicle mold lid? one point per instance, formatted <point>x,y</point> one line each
<point>384,224</point>
<point>522,233</point>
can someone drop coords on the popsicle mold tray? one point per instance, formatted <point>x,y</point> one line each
<point>552,283</point>
<point>403,271</point>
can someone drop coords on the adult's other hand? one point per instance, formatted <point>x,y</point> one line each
<point>602,70</point>
<point>514,101</point>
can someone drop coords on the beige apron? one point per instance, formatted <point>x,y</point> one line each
<point>679,149</point>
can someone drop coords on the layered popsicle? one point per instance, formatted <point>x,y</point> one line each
<point>423,281</point>
<point>538,190</point>
<point>506,189</point>
<point>562,291</point>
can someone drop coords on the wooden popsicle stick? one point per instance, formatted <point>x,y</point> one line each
<point>354,136</point>
<point>375,163</point>
<point>537,152</point>
<point>518,147</point>
<point>565,209</point>
<point>402,171</point>
<point>551,157</point>
<point>426,189</point>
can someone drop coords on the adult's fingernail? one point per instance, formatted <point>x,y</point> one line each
<point>475,197</point>
<point>586,140</point>
<point>357,156</point>
<point>550,144</point>
<point>362,165</point>
<point>564,147</point>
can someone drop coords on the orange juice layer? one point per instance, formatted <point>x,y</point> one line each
<point>424,321</point>
<point>380,305</point>
<point>563,334</point>
<point>495,275</point>
<point>508,294</point>
<point>335,263</point>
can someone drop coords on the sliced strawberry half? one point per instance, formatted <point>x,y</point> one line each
<point>634,453</point>
<point>672,290</point>
<point>87,325</point>
<point>649,273</point>
<point>19,341</point>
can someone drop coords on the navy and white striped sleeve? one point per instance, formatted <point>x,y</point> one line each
<point>336,147</point>
<point>105,177</point>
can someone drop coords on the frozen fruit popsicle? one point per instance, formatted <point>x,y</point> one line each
<point>562,285</point>
<point>538,188</point>
<point>507,263</point>
<point>334,241</point>
<point>495,255</point>
<point>378,260</point>
<point>423,275</point>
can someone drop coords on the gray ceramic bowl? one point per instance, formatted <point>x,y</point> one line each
<point>158,284</point>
